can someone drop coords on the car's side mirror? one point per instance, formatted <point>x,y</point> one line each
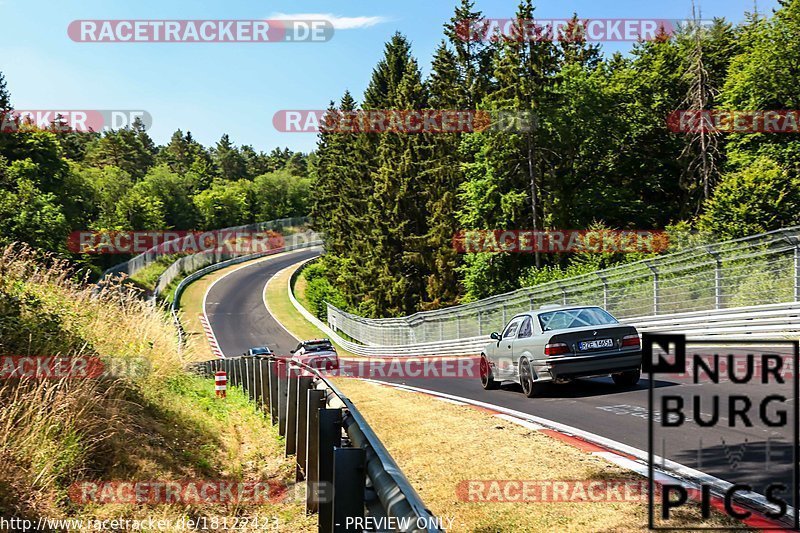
<point>495,335</point>
<point>291,351</point>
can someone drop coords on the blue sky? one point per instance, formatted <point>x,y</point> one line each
<point>235,88</point>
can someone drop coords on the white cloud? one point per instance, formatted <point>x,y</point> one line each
<point>339,23</point>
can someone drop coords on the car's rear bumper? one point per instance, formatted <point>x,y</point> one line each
<point>590,365</point>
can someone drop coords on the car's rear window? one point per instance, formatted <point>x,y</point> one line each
<point>575,318</point>
<point>319,347</point>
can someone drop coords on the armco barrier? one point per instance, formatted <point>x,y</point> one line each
<point>345,477</point>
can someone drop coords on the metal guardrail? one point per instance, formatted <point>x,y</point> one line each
<point>347,470</point>
<point>759,270</point>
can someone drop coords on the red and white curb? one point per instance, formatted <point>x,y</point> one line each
<point>212,339</point>
<point>620,454</point>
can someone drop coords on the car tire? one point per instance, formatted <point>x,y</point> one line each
<point>628,378</point>
<point>487,378</point>
<point>530,388</point>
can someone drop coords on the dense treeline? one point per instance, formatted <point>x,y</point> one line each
<point>54,183</point>
<point>601,155</point>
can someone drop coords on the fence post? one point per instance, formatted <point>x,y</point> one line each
<point>655,286</point>
<point>349,482</point>
<point>291,411</point>
<point>458,326</point>
<point>316,402</point>
<point>480,325</point>
<point>797,271</point>
<point>605,290</point>
<point>504,317</point>
<point>330,437</point>
<point>717,277</point>
<point>304,384</point>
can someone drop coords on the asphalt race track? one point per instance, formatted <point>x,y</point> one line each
<point>236,312</point>
<point>757,455</point>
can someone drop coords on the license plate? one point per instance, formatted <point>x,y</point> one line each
<point>594,345</point>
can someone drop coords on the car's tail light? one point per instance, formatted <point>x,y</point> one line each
<point>631,340</point>
<point>557,348</point>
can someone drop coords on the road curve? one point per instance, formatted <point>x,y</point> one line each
<point>240,320</point>
<point>235,307</point>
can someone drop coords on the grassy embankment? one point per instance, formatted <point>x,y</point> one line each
<point>155,423</point>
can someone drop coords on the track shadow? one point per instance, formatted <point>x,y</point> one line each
<point>587,388</point>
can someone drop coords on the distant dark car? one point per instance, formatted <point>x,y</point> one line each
<point>258,350</point>
<point>317,353</point>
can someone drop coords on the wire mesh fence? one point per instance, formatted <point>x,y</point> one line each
<point>762,269</point>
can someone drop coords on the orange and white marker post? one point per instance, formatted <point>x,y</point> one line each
<point>221,383</point>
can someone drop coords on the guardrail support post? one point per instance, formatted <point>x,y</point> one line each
<point>264,376</point>
<point>304,384</point>
<point>257,389</point>
<point>349,481</point>
<point>282,369</point>
<point>291,411</point>
<point>246,379</point>
<point>273,391</point>
<point>316,402</point>
<point>231,372</point>
<point>330,437</point>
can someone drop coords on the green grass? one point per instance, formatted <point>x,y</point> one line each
<point>148,276</point>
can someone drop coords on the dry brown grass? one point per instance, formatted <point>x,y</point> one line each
<point>153,423</point>
<point>438,445</point>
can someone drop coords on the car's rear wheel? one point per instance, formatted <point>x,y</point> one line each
<point>487,378</point>
<point>529,387</point>
<point>628,378</point>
